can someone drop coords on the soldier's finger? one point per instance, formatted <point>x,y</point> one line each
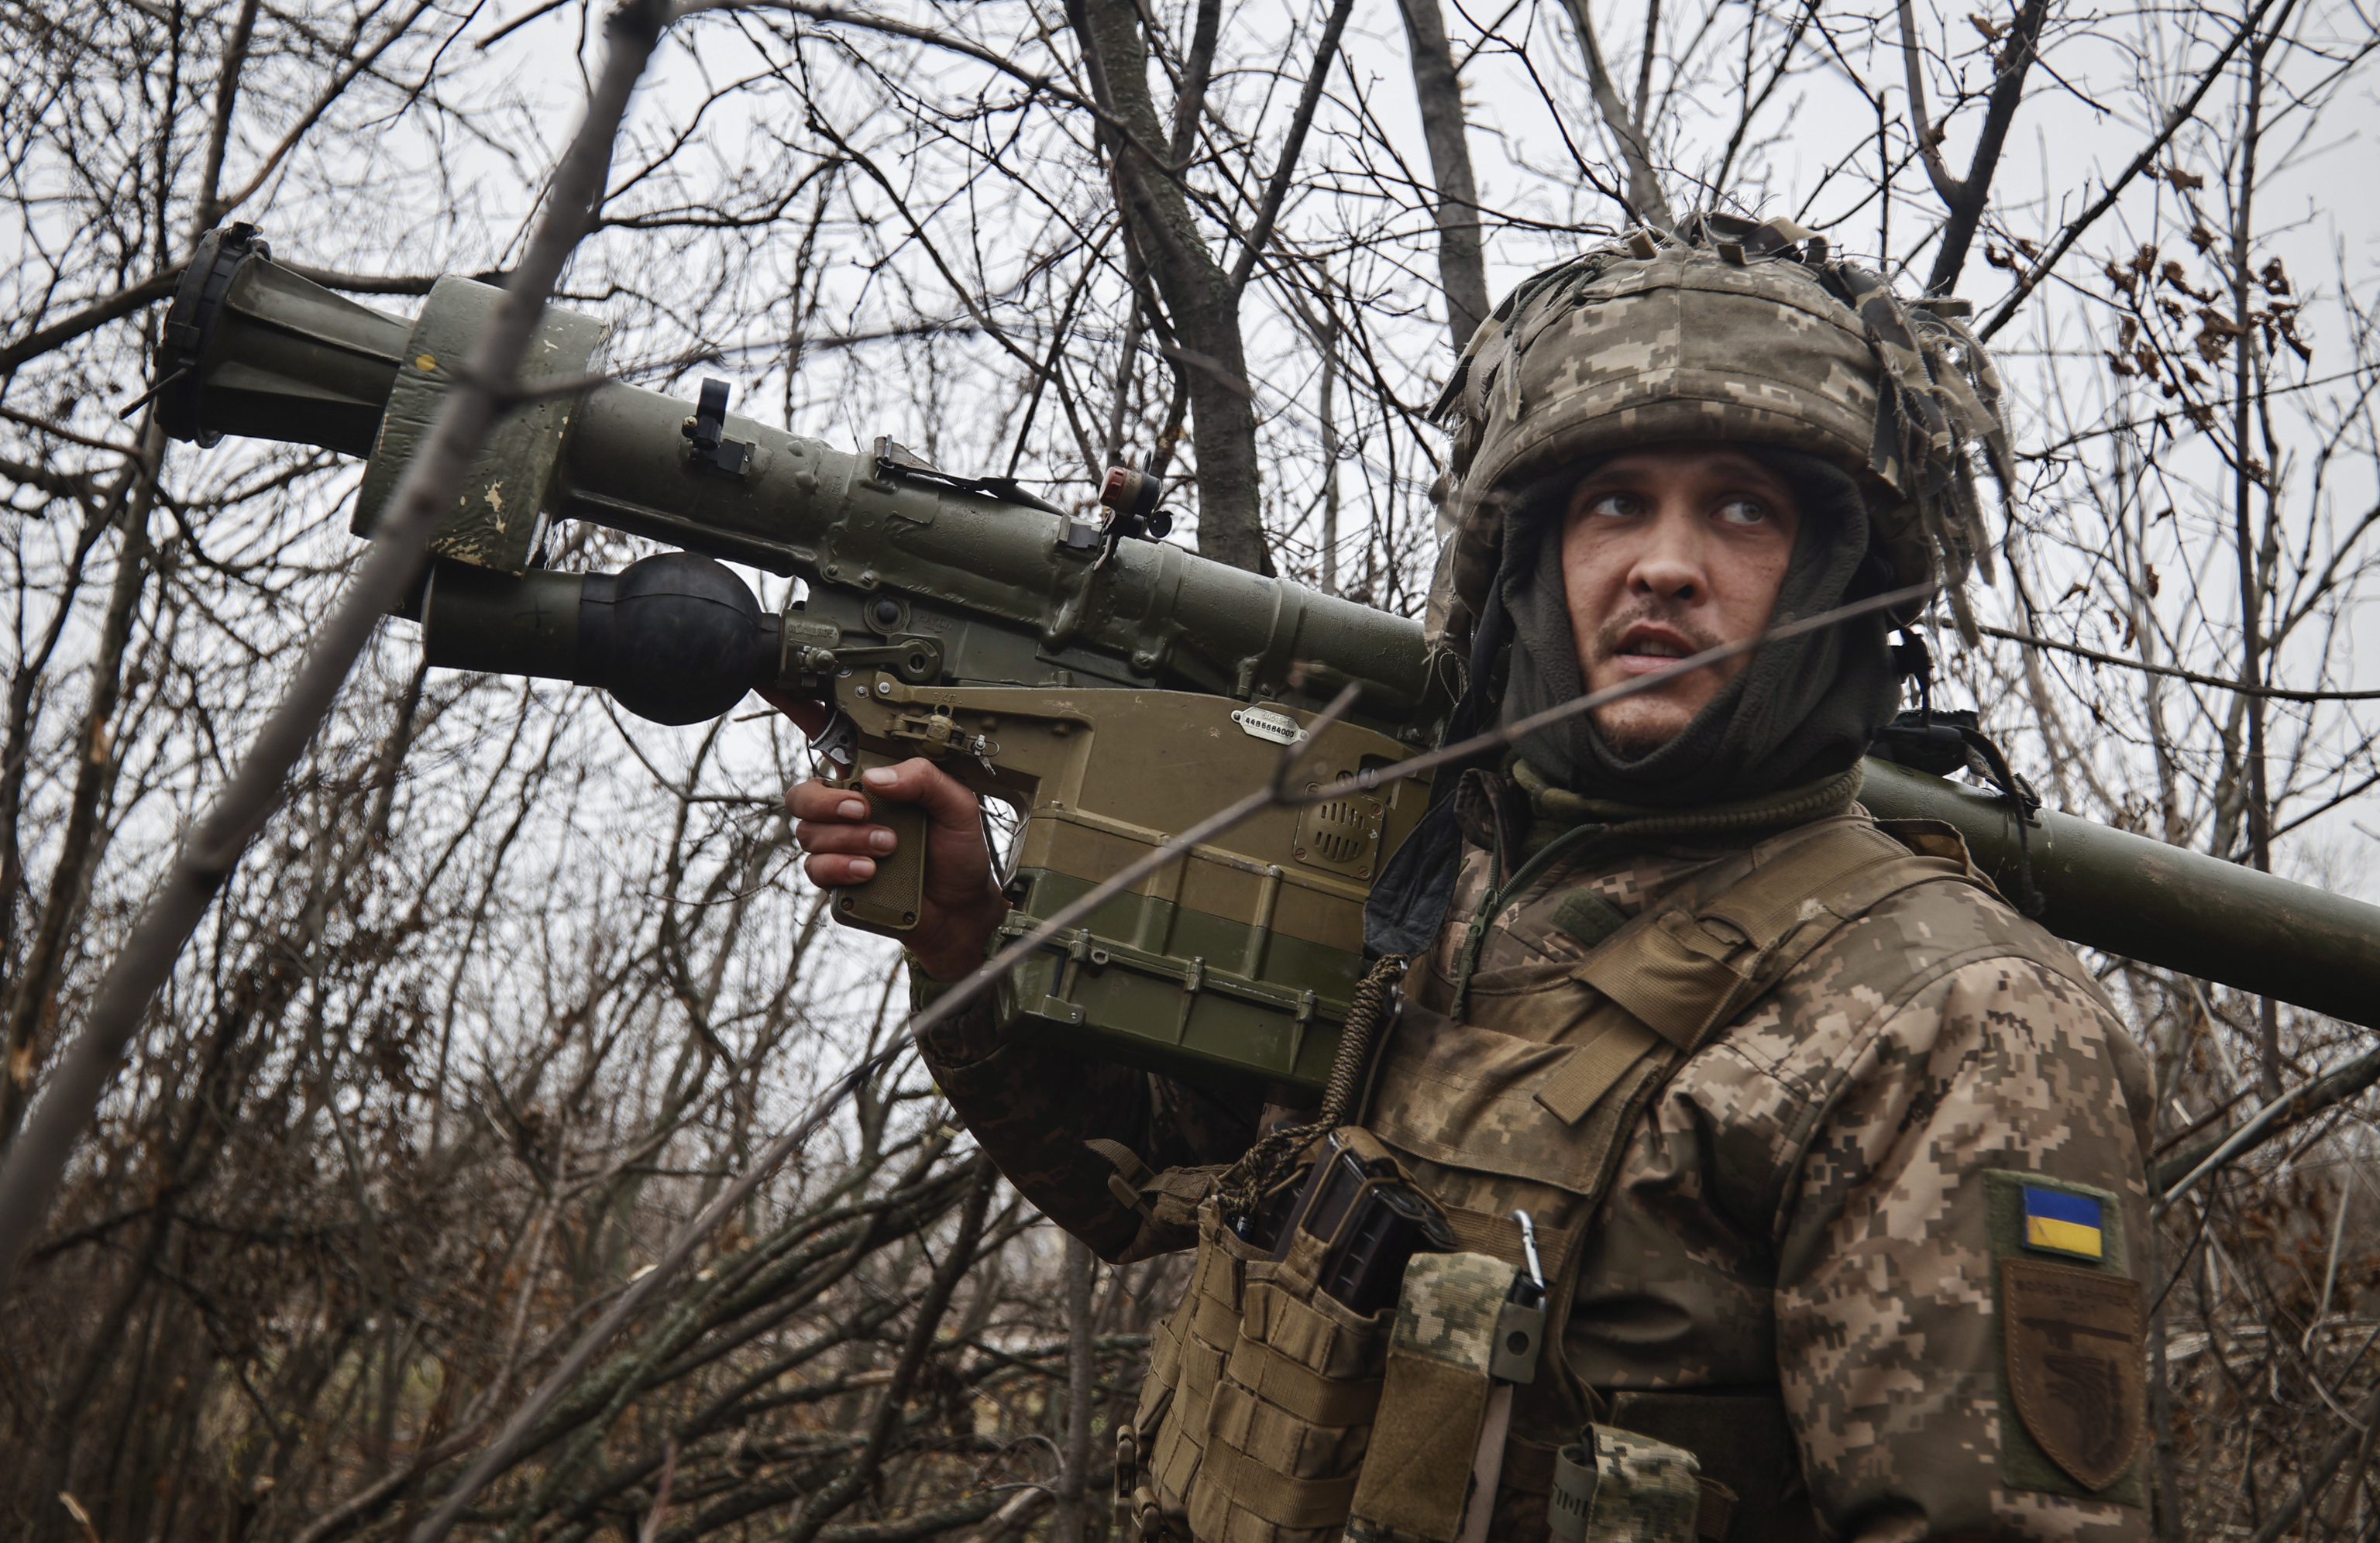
<point>814,800</point>
<point>855,840</point>
<point>834,872</point>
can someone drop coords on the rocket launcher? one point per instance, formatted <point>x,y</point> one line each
<point>1111,688</point>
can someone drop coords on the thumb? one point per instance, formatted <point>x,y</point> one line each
<point>919,781</point>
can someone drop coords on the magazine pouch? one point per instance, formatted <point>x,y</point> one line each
<point>1264,1384</point>
<point>1438,1399</point>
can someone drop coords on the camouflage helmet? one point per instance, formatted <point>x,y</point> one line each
<point>1723,330</point>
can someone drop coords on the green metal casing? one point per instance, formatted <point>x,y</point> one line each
<point>939,597</point>
<point>504,499</point>
<point>2141,898</point>
<point>1237,962</point>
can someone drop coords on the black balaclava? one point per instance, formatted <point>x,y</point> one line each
<point>1804,709</point>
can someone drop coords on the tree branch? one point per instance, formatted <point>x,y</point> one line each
<point>847,1485</point>
<point>1647,202</point>
<point>1292,144</point>
<point>37,1158</point>
<point>2174,1176</point>
<point>1929,141</point>
<point>91,317</point>
<point>1197,71</point>
<point>1437,90</point>
<point>2219,682</point>
<point>2186,112</point>
<point>1203,299</point>
<point>1975,195</point>
<point>313,114</point>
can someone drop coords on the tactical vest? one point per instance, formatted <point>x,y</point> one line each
<point>1263,1417</point>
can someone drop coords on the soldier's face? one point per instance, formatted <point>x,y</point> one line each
<point>1667,552</point>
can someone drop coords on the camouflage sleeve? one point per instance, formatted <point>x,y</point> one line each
<point>1890,1280</point>
<point>1032,1107</point>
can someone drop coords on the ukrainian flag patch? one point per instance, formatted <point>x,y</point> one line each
<point>2060,1223</point>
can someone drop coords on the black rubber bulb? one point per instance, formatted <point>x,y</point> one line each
<point>677,639</point>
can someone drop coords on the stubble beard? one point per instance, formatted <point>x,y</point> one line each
<point>1634,727</point>
<point>1630,739</point>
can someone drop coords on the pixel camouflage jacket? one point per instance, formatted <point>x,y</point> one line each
<point>1822,1203</point>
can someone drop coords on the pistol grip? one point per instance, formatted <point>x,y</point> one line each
<point>889,902</point>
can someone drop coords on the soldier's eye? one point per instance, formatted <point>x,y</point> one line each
<point>1744,511</point>
<point>1616,505</point>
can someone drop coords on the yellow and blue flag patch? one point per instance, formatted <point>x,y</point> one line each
<point>2062,1223</point>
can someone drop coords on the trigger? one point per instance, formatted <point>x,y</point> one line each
<point>837,745</point>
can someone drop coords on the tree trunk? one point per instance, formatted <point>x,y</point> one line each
<point>1197,290</point>
<point>1462,270</point>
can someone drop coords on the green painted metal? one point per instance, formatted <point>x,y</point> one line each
<point>284,358</point>
<point>2133,895</point>
<point>480,619</point>
<point>991,590</point>
<point>504,499</point>
<point>997,584</point>
<point>1179,991</point>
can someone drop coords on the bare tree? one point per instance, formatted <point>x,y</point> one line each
<point>513,988</point>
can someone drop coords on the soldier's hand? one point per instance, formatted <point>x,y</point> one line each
<point>960,905</point>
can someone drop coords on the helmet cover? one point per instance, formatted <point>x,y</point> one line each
<point>1725,330</point>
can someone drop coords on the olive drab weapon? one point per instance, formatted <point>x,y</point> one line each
<point>1112,688</point>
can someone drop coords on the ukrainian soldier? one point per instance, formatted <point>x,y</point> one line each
<point>1833,1161</point>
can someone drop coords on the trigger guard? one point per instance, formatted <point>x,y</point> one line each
<point>835,751</point>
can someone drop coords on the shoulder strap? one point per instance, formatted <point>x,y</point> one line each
<point>1688,966</point>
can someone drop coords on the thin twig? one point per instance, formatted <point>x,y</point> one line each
<point>1292,144</point>
<point>514,1438</point>
<point>2360,1428</point>
<point>2185,113</point>
<point>2220,683</point>
<point>2290,1109</point>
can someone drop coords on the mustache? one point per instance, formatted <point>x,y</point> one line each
<point>1609,635</point>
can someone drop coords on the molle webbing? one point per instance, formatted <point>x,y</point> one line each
<point>1569,828</point>
<point>1666,980</point>
<point>1258,1404</point>
<point>1258,1412</point>
<point>1550,1105</point>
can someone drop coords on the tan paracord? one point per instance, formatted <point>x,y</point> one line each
<point>1368,1011</point>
